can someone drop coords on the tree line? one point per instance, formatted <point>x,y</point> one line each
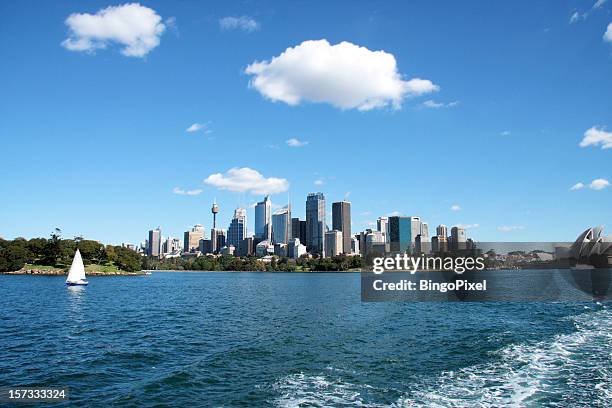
<point>58,252</point>
<point>232,263</point>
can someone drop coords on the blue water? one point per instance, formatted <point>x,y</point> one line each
<point>288,340</point>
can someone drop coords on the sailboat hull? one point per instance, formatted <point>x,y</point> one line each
<point>80,283</point>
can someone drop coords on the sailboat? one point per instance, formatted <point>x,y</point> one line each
<point>76,275</point>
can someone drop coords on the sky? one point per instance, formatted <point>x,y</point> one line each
<point>116,118</point>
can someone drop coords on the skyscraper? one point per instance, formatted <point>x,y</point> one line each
<point>237,230</point>
<point>333,243</point>
<point>191,239</point>
<point>341,221</point>
<point>441,231</point>
<point>458,238</point>
<point>281,226</point>
<point>315,223</point>
<point>263,219</point>
<point>382,225</point>
<point>155,242</point>
<point>400,233</point>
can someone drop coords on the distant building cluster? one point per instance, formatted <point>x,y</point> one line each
<point>277,233</point>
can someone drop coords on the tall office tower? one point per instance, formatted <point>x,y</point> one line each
<point>281,226</point>
<point>458,239</point>
<point>333,243</point>
<point>424,232</point>
<point>415,226</point>
<point>246,247</point>
<point>155,242</point>
<point>237,230</point>
<point>435,244</point>
<point>206,246</point>
<point>442,231</point>
<point>373,243</point>
<point>400,234</point>
<point>263,219</point>
<point>298,229</point>
<point>295,228</point>
<point>217,239</point>
<point>355,246</point>
<point>341,221</point>
<point>315,223</point>
<point>382,225</point>
<point>191,239</point>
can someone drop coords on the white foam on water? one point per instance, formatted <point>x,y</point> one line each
<point>568,370</point>
<point>301,390</point>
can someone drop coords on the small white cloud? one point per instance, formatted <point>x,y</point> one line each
<point>575,17</point>
<point>344,75</point>
<point>599,3</point>
<point>370,223</point>
<point>468,226</point>
<point>599,184</point>
<point>247,180</point>
<point>180,191</point>
<point>437,105</point>
<point>366,213</point>
<point>597,136</point>
<point>318,182</point>
<point>137,28</point>
<point>273,146</point>
<point>505,133</point>
<point>394,214</point>
<point>244,23</point>
<point>293,142</point>
<point>195,127</point>
<point>510,228</point>
<point>455,207</point>
<point>577,186</point>
<point>608,34</point>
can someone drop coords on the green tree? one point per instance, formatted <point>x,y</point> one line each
<point>127,260</point>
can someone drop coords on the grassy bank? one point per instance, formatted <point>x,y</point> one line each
<point>91,270</point>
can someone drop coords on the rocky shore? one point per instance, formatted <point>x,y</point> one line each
<point>60,272</point>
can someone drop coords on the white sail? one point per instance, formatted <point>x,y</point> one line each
<point>77,269</point>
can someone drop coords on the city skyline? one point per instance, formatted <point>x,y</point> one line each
<point>107,137</point>
<point>396,233</point>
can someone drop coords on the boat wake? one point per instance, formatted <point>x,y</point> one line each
<point>566,370</point>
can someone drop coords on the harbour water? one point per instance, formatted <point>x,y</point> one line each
<point>295,339</point>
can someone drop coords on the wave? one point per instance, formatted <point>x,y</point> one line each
<point>301,390</point>
<point>567,370</point>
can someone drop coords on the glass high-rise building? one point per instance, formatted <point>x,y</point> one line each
<point>315,223</point>
<point>281,226</point>
<point>263,219</point>
<point>237,230</point>
<point>298,229</point>
<point>341,221</point>
<point>155,243</point>
<point>403,232</point>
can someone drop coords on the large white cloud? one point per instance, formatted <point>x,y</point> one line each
<point>344,75</point>
<point>596,136</point>
<point>608,34</point>
<point>247,180</point>
<point>137,28</point>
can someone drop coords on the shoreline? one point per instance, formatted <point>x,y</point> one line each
<point>42,272</point>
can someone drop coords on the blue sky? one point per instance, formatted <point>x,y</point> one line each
<point>94,136</point>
